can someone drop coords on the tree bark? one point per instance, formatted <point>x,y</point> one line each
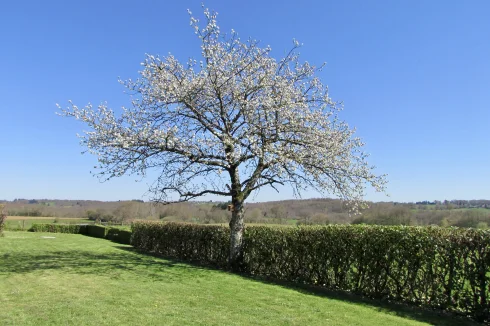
<point>237,224</point>
<point>237,227</point>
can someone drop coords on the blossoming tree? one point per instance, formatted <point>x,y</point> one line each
<point>227,125</point>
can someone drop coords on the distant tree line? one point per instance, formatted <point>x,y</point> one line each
<point>457,203</point>
<point>460,213</point>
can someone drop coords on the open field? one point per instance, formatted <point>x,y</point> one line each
<point>78,280</point>
<point>31,218</point>
<point>25,222</point>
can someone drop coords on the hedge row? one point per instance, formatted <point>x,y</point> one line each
<point>59,228</point>
<point>98,231</point>
<point>119,236</point>
<point>445,268</point>
<point>201,243</point>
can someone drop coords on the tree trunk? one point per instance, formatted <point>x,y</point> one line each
<point>237,227</point>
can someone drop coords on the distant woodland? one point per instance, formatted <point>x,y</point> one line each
<point>462,213</point>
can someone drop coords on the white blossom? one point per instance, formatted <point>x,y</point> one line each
<point>236,110</point>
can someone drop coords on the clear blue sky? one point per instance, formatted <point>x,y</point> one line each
<point>414,77</point>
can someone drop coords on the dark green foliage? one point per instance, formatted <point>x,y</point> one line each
<point>445,268</point>
<point>93,215</point>
<point>59,228</point>
<point>203,243</point>
<point>119,236</point>
<point>99,215</point>
<point>97,231</point>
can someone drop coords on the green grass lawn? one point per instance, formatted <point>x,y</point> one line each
<point>79,280</point>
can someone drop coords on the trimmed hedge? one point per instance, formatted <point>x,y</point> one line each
<point>444,268</point>
<point>59,228</point>
<point>98,231</point>
<point>119,236</point>
<point>201,243</point>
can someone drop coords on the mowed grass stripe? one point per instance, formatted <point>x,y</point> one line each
<point>78,280</point>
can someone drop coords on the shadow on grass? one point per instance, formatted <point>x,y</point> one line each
<point>156,268</point>
<point>110,264</point>
<point>430,316</point>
